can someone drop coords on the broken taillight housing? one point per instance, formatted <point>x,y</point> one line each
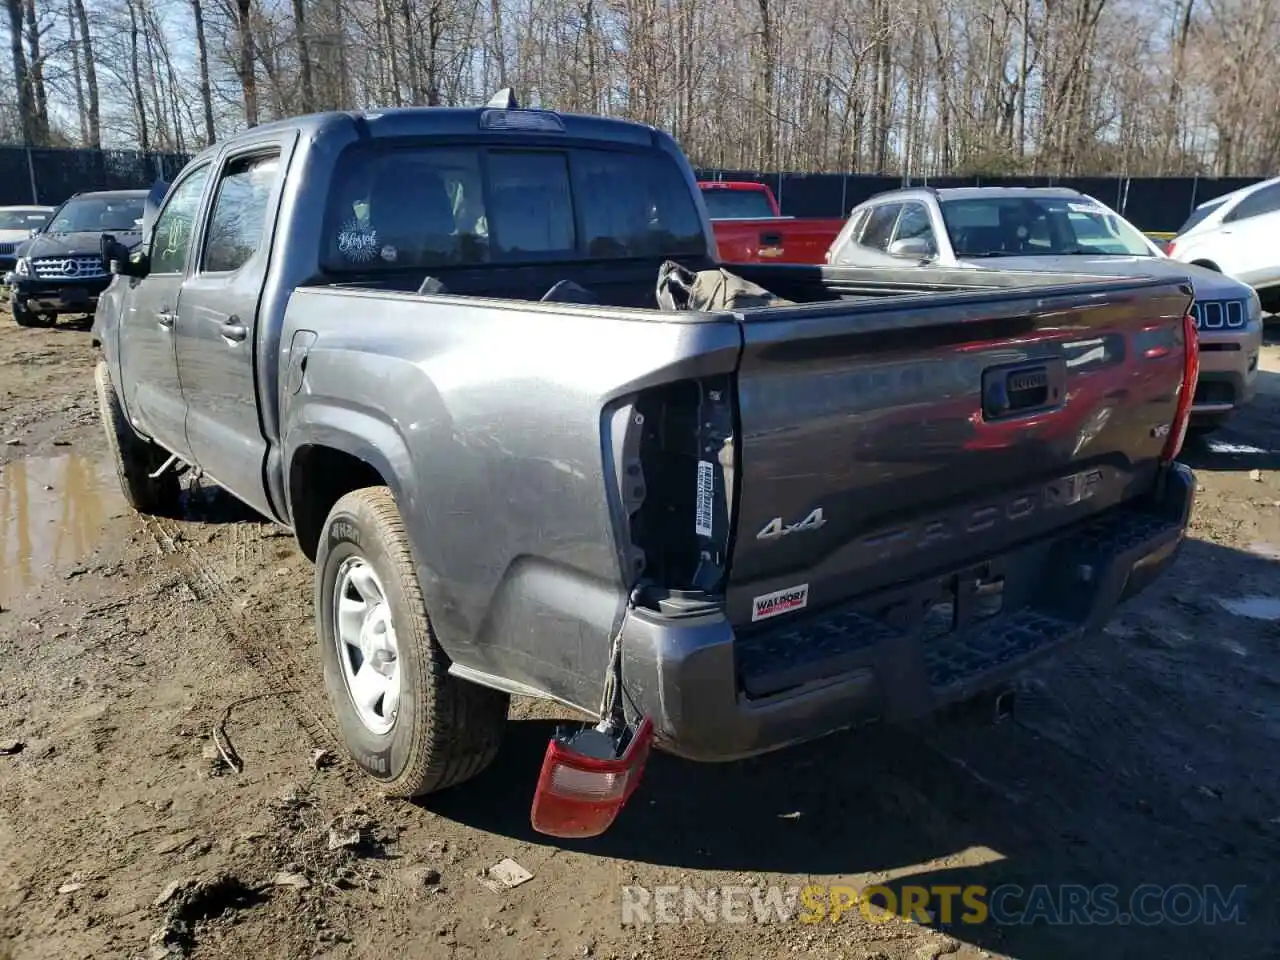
<point>580,795</point>
<point>1187,392</point>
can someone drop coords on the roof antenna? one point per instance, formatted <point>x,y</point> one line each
<point>504,99</point>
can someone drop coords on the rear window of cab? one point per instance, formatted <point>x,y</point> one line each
<point>394,207</point>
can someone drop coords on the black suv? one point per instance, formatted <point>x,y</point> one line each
<point>60,269</point>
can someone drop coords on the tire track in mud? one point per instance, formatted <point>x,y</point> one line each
<point>260,647</point>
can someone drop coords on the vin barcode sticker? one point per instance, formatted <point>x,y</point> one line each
<point>706,495</point>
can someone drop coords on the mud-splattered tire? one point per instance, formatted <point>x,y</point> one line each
<point>134,458</point>
<point>442,730</point>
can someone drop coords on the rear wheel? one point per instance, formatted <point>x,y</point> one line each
<point>405,720</point>
<point>135,459</point>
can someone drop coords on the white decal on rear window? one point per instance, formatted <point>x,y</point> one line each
<point>356,243</point>
<point>706,497</point>
<point>779,602</point>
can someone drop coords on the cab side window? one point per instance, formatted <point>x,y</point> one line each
<point>171,237</point>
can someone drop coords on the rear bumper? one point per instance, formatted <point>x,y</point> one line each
<point>714,695</point>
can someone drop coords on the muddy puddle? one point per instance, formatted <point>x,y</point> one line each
<point>52,514</point>
<point>1255,608</point>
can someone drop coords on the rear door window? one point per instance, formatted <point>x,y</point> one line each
<point>237,224</point>
<point>1266,200</point>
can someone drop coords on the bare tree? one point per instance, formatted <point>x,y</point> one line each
<point>26,102</point>
<point>93,119</point>
<point>202,65</point>
<point>139,101</point>
<point>35,74</point>
<point>911,88</point>
<point>246,67</point>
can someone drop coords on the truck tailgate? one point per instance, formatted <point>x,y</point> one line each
<point>775,240</point>
<point>884,441</point>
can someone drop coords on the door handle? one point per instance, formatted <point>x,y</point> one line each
<point>166,319</point>
<point>233,331</point>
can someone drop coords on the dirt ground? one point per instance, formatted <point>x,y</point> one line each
<point>1146,756</point>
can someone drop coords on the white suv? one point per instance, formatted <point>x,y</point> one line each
<point>1237,234</point>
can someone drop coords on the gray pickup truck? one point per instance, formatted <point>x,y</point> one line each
<point>434,344</point>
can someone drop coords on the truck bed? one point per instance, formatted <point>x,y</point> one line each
<point>632,284</point>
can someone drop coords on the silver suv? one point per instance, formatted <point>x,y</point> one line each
<point>1059,230</point>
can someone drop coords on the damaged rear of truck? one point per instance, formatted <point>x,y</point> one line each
<point>719,514</point>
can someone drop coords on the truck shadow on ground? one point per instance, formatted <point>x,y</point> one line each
<point>209,503</point>
<point>1131,760</point>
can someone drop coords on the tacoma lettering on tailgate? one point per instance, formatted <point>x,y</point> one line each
<point>1063,492</point>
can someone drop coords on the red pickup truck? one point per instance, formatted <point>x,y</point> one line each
<point>750,228</point>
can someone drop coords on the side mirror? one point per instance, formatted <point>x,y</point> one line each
<point>911,248</point>
<point>33,232</point>
<point>121,261</point>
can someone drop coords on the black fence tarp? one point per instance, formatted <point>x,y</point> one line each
<point>47,175</point>
<point>1158,204</point>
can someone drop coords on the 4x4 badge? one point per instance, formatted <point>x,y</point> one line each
<point>775,528</point>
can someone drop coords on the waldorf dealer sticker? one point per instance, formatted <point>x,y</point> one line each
<point>779,602</point>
